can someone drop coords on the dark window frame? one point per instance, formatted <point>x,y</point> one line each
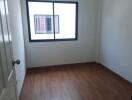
<point>48,40</point>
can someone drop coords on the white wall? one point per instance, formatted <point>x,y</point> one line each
<point>116,37</point>
<point>98,35</point>
<point>16,29</point>
<point>65,52</point>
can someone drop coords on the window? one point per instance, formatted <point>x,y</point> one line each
<point>44,24</point>
<point>52,20</point>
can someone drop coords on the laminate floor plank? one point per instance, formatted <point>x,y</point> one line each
<point>75,82</point>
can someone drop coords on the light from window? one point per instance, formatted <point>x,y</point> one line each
<point>52,20</point>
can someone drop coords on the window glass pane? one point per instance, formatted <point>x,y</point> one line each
<point>67,20</point>
<point>57,26</point>
<point>41,20</point>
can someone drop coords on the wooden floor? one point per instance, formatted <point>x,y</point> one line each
<point>75,82</point>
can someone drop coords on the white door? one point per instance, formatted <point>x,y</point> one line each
<point>7,73</point>
<point>16,29</point>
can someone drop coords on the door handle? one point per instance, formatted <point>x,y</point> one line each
<point>16,62</point>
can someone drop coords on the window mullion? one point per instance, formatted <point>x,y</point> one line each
<point>54,20</point>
